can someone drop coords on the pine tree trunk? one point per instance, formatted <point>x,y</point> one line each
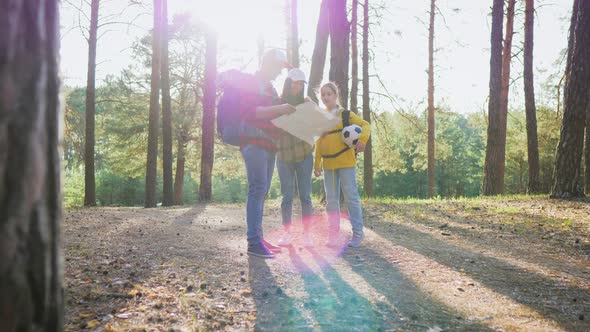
<point>354,88</point>
<point>318,59</point>
<point>493,183</point>
<point>152,153</point>
<point>339,48</point>
<point>179,176</point>
<point>288,39</point>
<point>89,172</point>
<point>431,101</point>
<point>368,160</point>
<point>168,190</point>
<point>294,35</point>
<point>587,154</point>
<point>576,100</point>
<point>529,99</point>
<point>30,181</point>
<point>208,125</point>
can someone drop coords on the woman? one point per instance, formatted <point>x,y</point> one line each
<point>295,165</point>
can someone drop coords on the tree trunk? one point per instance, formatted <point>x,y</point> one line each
<point>587,153</point>
<point>368,160</point>
<point>288,39</point>
<point>339,48</point>
<point>354,88</point>
<point>318,59</point>
<point>168,190</point>
<point>431,101</point>
<point>152,153</point>
<point>208,125</point>
<point>89,173</point>
<point>30,180</point>
<point>529,100</point>
<point>260,46</point>
<point>576,99</point>
<point>493,183</point>
<point>179,177</point>
<point>294,35</point>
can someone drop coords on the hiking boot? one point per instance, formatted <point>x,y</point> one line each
<point>356,240</point>
<point>259,250</point>
<point>307,240</point>
<point>272,248</point>
<point>286,239</point>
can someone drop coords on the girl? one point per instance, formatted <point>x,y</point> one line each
<point>339,165</point>
<point>295,165</point>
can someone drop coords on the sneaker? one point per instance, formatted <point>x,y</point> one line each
<point>356,240</point>
<point>307,240</point>
<point>286,239</point>
<point>259,250</point>
<point>272,248</point>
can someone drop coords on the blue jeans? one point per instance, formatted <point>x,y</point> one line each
<point>333,181</point>
<point>260,165</point>
<point>288,174</point>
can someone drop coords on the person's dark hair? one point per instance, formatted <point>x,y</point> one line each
<point>286,94</point>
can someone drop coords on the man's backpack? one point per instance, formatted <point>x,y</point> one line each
<point>237,87</point>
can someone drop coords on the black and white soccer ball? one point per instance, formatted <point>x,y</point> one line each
<point>351,134</point>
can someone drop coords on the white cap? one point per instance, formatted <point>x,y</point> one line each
<point>276,56</point>
<point>297,74</point>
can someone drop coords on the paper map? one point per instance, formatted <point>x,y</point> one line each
<point>308,123</point>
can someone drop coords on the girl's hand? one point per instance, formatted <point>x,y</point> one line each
<point>317,172</point>
<point>308,99</point>
<point>360,147</point>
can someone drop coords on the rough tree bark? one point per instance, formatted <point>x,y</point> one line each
<point>89,171</point>
<point>431,100</point>
<point>529,100</point>
<point>168,190</point>
<point>354,83</point>
<point>368,160</point>
<point>152,153</point>
<point>576,99</point>
<point>30,186</point>
<point>318,59</point>
<point>208,125</point>
<point>493,183</point>
<point>339,47</point>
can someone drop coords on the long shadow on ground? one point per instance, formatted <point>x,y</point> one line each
<point>561,302</point>
<point>334,304</point>
<point>275,311</point>
<point>422,312</point>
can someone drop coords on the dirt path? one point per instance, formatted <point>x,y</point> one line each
<point>425,266</point>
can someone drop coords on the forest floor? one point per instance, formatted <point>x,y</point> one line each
<point>486,264</point>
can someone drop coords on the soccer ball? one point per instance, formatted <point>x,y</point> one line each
<point>351,134</point>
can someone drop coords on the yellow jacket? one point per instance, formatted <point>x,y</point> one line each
<point>332,144</point>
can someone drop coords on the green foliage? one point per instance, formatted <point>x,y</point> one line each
<point>73,187</point>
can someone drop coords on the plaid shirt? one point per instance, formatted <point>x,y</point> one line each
<point>290,148</point>
<point>267,96</point>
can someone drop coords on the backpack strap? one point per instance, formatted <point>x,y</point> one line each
<point>345,118</point>
<point>337,153</point>
<point>345,123</point>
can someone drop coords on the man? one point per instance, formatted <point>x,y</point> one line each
<point>259,148</point>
